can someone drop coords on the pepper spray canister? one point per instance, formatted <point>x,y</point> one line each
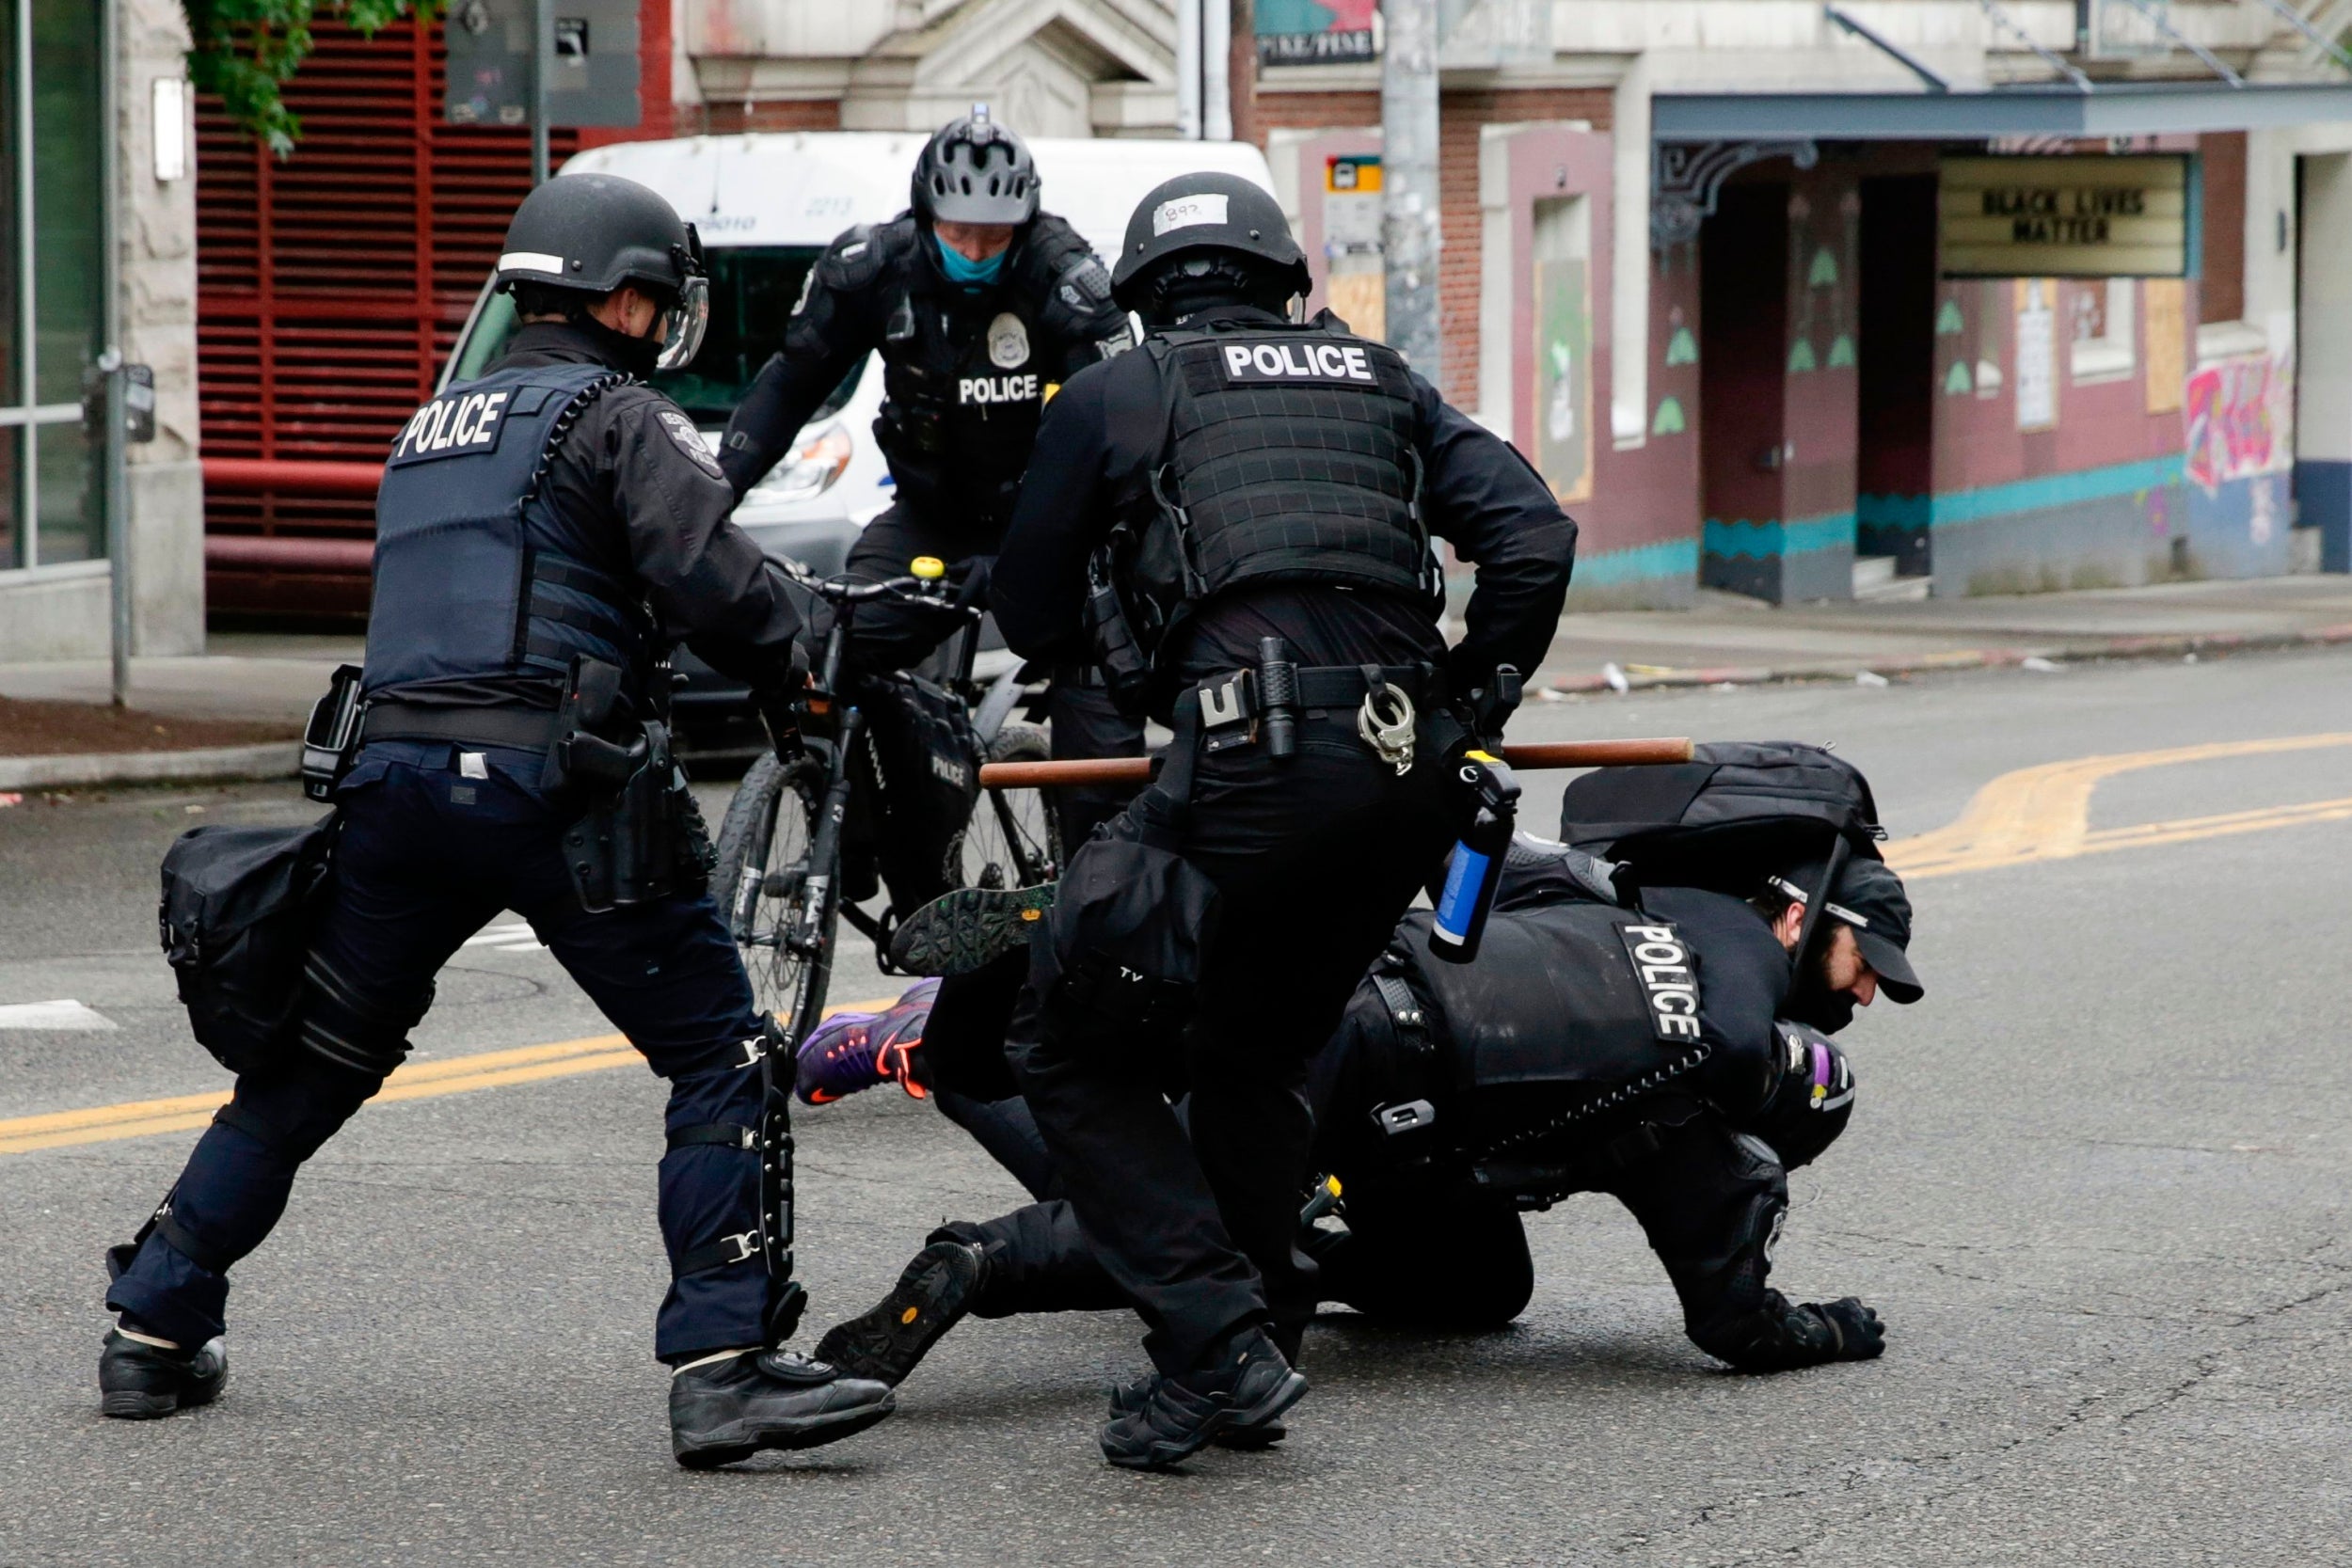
<point>1476,869</point>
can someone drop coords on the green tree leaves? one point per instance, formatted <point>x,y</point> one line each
<point>246,49</point>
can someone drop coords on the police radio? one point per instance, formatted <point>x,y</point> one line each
<point>1476,869</point>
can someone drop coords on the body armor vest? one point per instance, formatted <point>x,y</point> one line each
<point>1289,455</point>
<point>478,576</point>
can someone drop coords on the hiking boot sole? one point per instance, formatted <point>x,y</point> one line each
<point>742,1439</point>
<point>890,1339</point>
<point>969,928</point>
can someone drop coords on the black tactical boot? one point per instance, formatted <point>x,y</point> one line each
<point>1129,1397</point>
<point>729,1410</point>
<point>138,1382</point>
<point>886,1341</point>
<point>1250,1385</point>
<point>969,928</point>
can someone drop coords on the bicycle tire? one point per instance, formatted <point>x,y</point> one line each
<point>1011,839</point>
<point>775,806</point>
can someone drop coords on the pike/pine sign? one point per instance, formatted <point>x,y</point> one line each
<point>2089,216</point>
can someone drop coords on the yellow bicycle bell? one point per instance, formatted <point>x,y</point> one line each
<point>930,568</point>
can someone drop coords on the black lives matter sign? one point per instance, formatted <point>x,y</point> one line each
<point>2072,217</point>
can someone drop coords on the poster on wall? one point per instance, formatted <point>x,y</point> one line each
<point>2165,302</point>
<point>2037,353</point>
<point>1314,32</point>
<point>1563,378</point>
<point>1355,283</point>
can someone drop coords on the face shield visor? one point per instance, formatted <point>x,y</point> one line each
<point>683,325</point>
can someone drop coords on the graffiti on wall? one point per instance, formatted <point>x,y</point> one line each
<point>2238,415</point>
<point>1563,378</point>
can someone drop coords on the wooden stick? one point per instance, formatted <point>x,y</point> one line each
<point>1137,771</point>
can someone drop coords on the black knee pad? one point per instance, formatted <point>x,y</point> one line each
<point>353,1028</point>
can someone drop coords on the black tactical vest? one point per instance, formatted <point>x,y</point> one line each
<point>477,575</point>
<point>1289,456</point>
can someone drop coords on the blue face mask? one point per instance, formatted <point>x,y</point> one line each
<point>961,268</point>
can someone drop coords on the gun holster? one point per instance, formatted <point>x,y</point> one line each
<point>641,835</point>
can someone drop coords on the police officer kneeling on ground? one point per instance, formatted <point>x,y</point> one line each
<point>1453,1097</point>
<point>1243,510</point>
<point>980,304</point>
<point>544,535</point>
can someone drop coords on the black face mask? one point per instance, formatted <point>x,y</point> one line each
<point>635,356</point>
<point>1813,1003</point>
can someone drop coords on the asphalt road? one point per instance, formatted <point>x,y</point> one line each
<point>2098,1184</point>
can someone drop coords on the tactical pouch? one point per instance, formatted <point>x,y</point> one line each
<point>1121,965</point>
<point>235,924</point>
<point>645,842</point>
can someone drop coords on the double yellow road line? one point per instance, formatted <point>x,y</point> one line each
<point>485,1070</point>
<point>2032,815</point>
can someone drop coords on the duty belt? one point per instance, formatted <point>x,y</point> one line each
<point>1234,709</point>
<point>524,729</point>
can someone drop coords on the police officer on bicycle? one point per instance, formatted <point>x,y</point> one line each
<point>1243,510</point>
<point>981,305</point>
<point>544,535</point>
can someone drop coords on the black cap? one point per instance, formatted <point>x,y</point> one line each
<point>1869,898</point>
<point>1205,212</point>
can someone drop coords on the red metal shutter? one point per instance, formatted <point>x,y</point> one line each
<point>329,287</point>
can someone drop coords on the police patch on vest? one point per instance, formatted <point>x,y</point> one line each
<point>453,426</point>
<point>973,389</point>
<point>1008,343</point>
<point>689,440</point>
<point>1299,361</point>
<point>1661,962</point>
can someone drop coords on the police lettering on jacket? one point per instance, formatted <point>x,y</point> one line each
<point>1662,963</point>
<point>1297,361</point>
<point>464,422</point>
<point>974,389</point>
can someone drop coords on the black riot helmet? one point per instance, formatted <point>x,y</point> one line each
<point>590,233</point>
<point>976,171</point>
<point>1207,235</point>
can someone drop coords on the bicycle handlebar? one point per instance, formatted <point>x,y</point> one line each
<point>907,590</point>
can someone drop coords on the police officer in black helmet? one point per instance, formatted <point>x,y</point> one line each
<point>545,533</point>
<point>1243,509</point>
<point>980,303</point>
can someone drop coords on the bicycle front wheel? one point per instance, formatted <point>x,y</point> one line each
<point>763,872</point>
<point>1011,840</point>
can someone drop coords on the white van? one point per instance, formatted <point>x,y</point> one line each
<point>766,205</point>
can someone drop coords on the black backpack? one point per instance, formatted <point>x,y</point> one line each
<point>1737,812</point>
<point>235,924</point>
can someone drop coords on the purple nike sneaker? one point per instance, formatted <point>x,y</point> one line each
<point>848,1051</point>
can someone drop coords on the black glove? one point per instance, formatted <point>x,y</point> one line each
<point>1860,1334</point>
<point>776,699</point>
<point>971,576</point>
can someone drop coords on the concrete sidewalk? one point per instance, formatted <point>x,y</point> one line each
<point>1729,638</point>
<point>1723,638</point>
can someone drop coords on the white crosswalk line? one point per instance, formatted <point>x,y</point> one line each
<point>62,1014</point>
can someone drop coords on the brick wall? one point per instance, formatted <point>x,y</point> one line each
<point>1461,115</point>
<point>726,119</point>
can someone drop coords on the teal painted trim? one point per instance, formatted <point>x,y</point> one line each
<point>1892,510</point>
<point>1962,507</point>
<point>1762,541</point>
<point>1667,558</point>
